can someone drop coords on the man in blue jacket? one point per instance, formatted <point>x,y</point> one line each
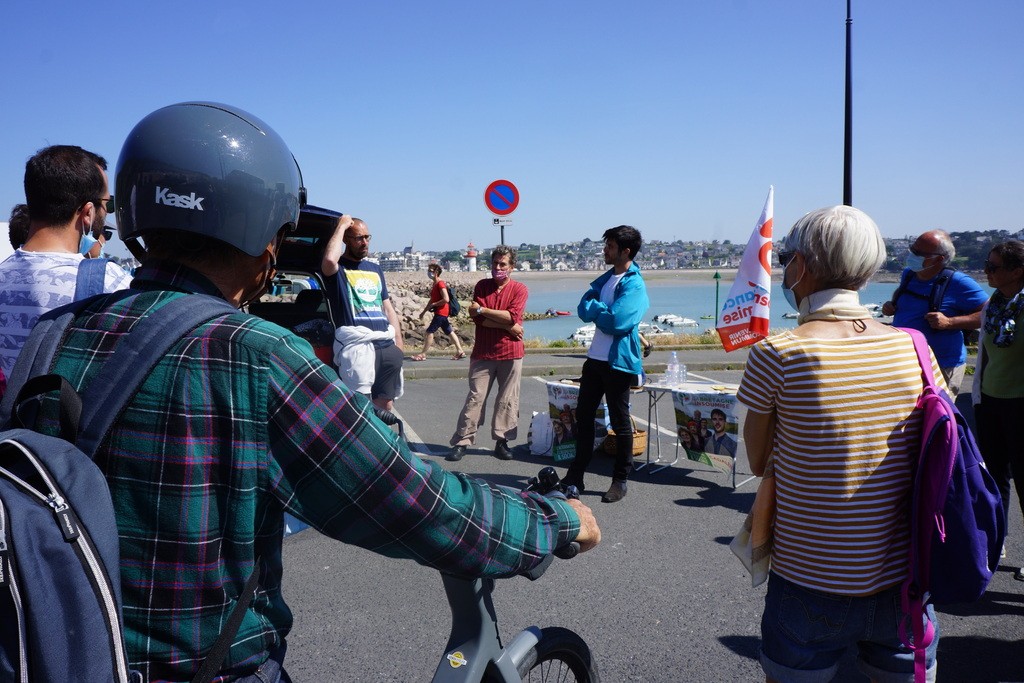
<point>616,303</point>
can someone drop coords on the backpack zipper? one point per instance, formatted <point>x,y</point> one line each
<point>75,533</point>
<point>8,579</point>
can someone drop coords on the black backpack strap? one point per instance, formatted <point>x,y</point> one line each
<point>939,289</point>
<point>211,665</point>
<point>904,281</point>
<point>37,355</point>
<point>135,356</point>
<point>90,279</point>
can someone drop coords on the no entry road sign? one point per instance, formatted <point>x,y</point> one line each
<point>501,197</point>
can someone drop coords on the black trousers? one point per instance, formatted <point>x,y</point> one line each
<point>601,380</point>
<point>998,422</point>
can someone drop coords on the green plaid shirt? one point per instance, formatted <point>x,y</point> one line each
<point>237,424</point>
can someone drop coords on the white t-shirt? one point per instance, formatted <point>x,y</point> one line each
<point>33,283</point>
<point>601,346</point>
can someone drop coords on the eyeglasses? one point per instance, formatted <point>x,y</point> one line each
<point>785,257</point>
<point>992,267</point>
<point>107,204</point>
<point>925,254</point>
<point>359,238</point>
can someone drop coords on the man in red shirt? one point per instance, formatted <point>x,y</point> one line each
<point>497,309</point>
<point>439,304</point>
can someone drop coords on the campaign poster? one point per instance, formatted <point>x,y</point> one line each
<point>708,427</point>
<point>562,400</point>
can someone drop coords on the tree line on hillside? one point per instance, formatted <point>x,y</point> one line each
<point>972,248</point>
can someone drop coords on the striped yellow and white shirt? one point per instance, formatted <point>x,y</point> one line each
<point>846,439</point>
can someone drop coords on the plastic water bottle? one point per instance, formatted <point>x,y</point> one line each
<point>672,370</point>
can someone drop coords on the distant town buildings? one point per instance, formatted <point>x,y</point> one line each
<point>972,247</point>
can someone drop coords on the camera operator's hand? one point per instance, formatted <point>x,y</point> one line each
<point>590,533</point>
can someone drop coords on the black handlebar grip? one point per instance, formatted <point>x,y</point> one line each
<point>567,552</point>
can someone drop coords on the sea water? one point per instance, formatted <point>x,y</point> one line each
<point>687,299</point>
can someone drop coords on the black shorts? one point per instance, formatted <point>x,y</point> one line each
<point>439,322</point>
<point>388,372</point>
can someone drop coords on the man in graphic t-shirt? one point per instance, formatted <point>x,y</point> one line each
<point>68,198</point>
<point>368,347</point>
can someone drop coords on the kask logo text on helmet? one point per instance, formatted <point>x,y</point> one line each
<point>167,198</point>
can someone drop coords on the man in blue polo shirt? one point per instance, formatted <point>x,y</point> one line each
<point>943,323</point>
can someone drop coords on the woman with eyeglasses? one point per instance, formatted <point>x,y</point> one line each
<point>998,393</point>
<point>833,412</point>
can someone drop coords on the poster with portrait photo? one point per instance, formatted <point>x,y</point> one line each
<point>708,427</point>
<point>562,399</point>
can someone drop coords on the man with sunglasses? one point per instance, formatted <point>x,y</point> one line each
<point>368,345</point>
<point>101,234</point>
<point>68,201</point>
<point>939,302</point>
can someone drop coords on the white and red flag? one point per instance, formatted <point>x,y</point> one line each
<point>743,319</point>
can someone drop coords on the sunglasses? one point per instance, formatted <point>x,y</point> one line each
<point>785,257</point>
<point>107,234</point>
<point>992,267</point>
<point>108,204</point>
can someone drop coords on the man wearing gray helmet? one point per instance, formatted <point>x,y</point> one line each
<point>239,422</point>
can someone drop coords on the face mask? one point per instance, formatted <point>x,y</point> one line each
<point>499,275</point>
<point>86,243</point>
<point>268,278</point>
<point>915,262</point>
<point>787,292</point>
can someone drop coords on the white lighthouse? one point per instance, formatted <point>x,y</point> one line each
<point>471,258</point>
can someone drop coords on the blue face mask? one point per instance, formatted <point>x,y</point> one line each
<point>86,243</point>
<point>915,262</point>
<point>787,292</point>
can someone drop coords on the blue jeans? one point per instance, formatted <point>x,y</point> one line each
<point>805,632</point>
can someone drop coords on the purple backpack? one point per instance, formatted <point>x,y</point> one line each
<point>956,515</point>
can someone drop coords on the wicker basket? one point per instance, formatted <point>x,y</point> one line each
<point>639,441</point>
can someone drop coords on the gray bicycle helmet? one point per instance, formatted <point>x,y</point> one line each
<point>210,169</point>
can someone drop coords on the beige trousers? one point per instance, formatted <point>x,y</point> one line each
<point>482,375</point>
<point>954,378</point>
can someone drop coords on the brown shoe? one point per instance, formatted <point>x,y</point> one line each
<point>616,492</point>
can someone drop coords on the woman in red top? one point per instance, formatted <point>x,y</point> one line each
<point>438,303</point>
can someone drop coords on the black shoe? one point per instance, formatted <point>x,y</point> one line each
<point>573,480</point>
<point>456,454</point>
<point>502,451</point>
<point>1019,574</point>
<point>616,492</point>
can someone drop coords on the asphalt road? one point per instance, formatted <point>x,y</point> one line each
<point>661,599</point>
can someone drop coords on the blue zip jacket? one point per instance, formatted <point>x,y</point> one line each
<point>620,320</point>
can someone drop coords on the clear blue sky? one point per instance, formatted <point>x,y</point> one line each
<point>673,116</point>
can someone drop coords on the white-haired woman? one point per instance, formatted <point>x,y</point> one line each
<point>832,405</point>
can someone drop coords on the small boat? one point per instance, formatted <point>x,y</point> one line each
<point>562,313</point>
<point>583,334</point>
<point>790,316</point>
<point>675,320</point>
<point>707,317</point>
<point>553,312</point>
<point>651,330</point>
